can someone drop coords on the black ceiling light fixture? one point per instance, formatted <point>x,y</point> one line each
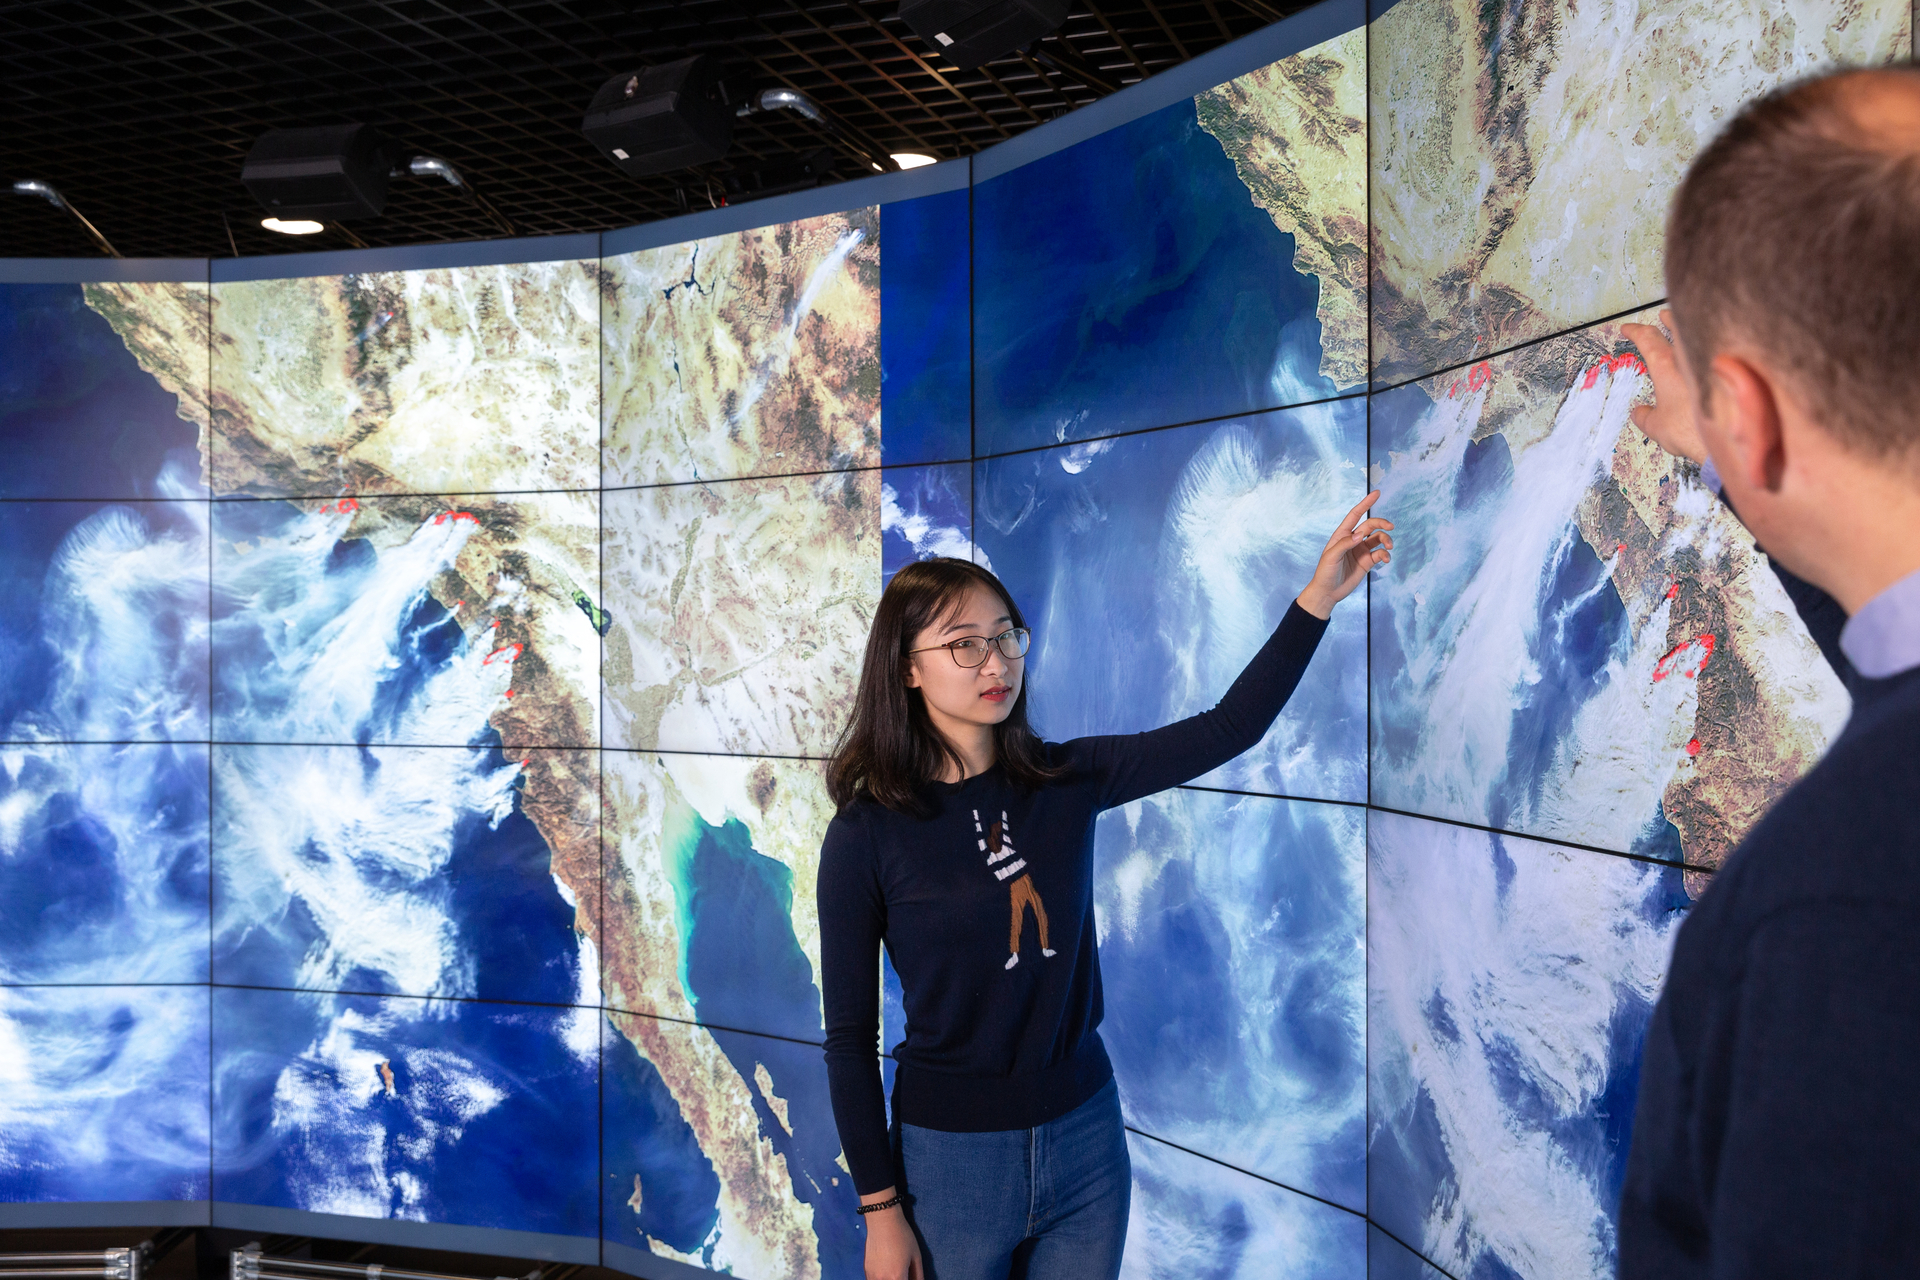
<point>969,33</point>
<point>328,173</point>
<point>306,178</point>
<point>681,115</point>
<point>663,118</point>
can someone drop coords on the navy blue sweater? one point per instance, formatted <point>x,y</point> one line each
<point>1777,1132</point>
<point>986,909</point>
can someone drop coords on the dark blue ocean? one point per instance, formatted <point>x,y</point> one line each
<point>490,1120</point>
<point>926,412</point>
<point>81,419</point>
<point>103,599</point>
<point>1129,281</point>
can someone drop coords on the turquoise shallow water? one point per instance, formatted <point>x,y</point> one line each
<point>748,979</point>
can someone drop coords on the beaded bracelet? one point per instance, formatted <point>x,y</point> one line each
<point>884,1204</point>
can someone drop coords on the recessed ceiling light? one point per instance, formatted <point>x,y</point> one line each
<point>293,226</point>
<point>913,159</point>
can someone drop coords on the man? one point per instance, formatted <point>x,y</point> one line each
<point>1778,1130</point>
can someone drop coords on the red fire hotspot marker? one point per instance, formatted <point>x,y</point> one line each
<point>1665,667</point>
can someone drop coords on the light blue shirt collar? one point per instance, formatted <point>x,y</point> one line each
<point>1883,638</point>
<point>1710,476</point>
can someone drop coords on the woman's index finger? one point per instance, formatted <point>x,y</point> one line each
<point>1359,509</point>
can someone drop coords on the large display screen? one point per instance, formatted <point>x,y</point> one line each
<point>1575,643</point>
<point>104,757</point>
<point>420,676</point>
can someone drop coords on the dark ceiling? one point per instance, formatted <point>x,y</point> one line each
<point>140,112</point>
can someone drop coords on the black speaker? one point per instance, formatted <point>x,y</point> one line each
<point>662,118</point>
<point>331,173</point>
<point>970,32</point>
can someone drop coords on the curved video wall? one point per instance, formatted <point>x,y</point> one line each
<point>420,664</point>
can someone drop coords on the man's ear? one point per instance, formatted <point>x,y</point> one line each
<point>1746,404</point>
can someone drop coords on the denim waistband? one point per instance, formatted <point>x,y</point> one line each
<point>984,1104</point>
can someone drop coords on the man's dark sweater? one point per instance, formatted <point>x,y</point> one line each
<point>986,909</point>
<point>1777,1132</point>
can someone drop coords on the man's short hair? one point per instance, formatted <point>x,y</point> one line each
<point>1798,230</point>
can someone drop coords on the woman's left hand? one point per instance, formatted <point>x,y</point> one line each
<point>1360,543</point>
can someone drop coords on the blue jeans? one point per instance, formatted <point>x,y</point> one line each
<point>1031,1204</point>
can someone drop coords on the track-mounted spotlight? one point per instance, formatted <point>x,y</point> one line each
<point>45,191</point>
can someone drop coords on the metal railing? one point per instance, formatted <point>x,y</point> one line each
<point>251,1264</point>
<point>94,1264</point>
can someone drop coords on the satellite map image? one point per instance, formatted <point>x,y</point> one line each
<point>419,680</point>
<point>1509,986</point>
<point>1153,567</point>
<point>1182,241</point>
<point>1576,640</point>
<point>1523,155</point>
<point>739,610</point>
<point>103,786</point>
<point>1633,677</point>
<point>755,353</point>
<point>418,667</point>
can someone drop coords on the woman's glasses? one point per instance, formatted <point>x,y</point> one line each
<point>971,651</point>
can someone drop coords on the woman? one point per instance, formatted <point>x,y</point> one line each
<point>959,829</point>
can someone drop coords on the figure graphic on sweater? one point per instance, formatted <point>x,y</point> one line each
<point>997,843</point>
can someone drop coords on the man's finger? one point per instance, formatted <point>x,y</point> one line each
<point>1649,341</point>
<point>1646,335</point>
<point>1655,350</point>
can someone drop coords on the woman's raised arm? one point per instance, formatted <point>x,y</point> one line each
<point>1139,764</point>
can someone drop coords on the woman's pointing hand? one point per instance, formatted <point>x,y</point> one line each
<point>1357,545</point>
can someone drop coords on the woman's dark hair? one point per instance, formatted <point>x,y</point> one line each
<point>890,750</point>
